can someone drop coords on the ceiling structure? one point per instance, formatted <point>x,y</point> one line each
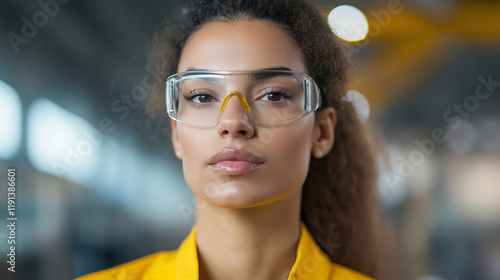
<point>100,47</point>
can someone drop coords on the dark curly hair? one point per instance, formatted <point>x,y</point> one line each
<point>339,204</point>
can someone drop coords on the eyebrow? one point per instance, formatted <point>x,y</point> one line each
<point>255,76</point>
<point>271,68</point>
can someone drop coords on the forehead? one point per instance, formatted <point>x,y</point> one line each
<point>242,45</point>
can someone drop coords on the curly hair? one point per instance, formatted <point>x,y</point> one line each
<point>339,204</point>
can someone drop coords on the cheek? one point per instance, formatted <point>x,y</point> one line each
<point>193,153</point>
<point>289,152</point>
<point>197,145</point>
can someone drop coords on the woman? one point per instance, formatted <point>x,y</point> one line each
<point>280,165</point>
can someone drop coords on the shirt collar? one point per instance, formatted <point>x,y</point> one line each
<point>310,263</point>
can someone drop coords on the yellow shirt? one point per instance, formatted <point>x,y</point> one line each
<point>311,263</point>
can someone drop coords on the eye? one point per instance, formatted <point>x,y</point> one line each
<point>199,96</point>
<point>273,96</point>
<point>202,98</point>
<point>276,94</point>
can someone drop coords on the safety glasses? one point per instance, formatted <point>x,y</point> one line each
<point>268,97</point>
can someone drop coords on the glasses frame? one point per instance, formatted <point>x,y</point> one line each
<point>312,94</point>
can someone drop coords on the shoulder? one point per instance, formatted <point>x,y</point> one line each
<point>313,263</point>
<point>178,264</point>
<point>136,269</point>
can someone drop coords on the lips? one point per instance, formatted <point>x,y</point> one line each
<point>235,161</point>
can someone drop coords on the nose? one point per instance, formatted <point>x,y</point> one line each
<point>234,120</point>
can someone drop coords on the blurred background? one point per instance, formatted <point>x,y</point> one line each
<point>94,191</point>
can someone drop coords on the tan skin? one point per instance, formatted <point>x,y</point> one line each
<point>248,224</point>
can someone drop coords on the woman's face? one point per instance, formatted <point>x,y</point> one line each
<point>282,153</point>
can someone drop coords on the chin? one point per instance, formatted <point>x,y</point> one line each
<point>238,195</point>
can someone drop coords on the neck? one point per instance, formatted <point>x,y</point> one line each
<point>248,243</point>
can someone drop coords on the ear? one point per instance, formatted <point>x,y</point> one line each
<point>324,136</point>
<point>175,140</point>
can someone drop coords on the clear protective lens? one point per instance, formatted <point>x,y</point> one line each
<point>273,96</point>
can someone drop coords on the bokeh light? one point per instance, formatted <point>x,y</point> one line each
<point>348,23</point>
<point>360,103</point>
<point>10,121</point>
<point>59,142</point>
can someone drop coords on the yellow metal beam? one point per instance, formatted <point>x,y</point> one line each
<point>411,46</point>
